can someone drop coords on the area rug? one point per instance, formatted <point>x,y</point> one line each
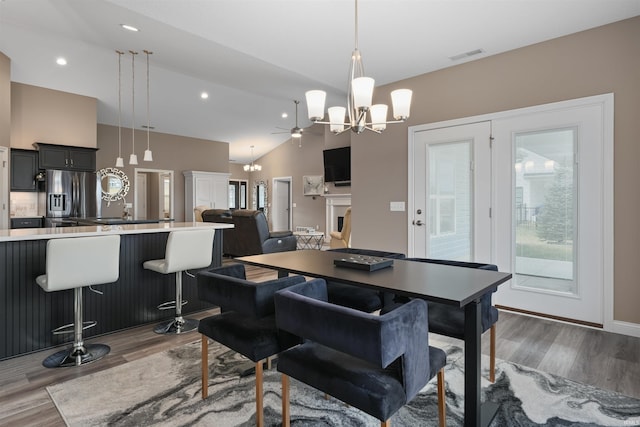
<point>164,390</point>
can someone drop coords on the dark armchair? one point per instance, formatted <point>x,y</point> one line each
<point>246,323</point>
<point>250,235</point>
<point>374,363</point>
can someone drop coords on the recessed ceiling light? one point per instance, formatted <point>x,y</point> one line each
<point>129,27</point>
<point>61,61</point>
<point>204,95</point>
<point>285,115</point>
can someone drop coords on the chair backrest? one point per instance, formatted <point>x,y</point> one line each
<point>188,249</point>
<point>346,226</point>
<point>82,261</point>
<point>303,311</point>
<point>227,287</point>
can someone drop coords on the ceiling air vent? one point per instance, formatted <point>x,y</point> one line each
<point>466,54</point>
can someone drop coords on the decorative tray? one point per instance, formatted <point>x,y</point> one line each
<point>363,262</point>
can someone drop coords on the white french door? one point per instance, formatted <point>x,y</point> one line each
<point>549,211</point>
<point>450,218</point>
<point>537,202</point>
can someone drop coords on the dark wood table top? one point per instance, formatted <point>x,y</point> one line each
<point>456,286</point>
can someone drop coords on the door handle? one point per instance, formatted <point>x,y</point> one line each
<point>418,222</point>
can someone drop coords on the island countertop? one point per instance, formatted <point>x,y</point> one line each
<point>93,230</point>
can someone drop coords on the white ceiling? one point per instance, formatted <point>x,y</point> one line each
<point>254,57</point>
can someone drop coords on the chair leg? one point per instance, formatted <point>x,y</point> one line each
<point>259,413</point>
<point>205,366</point>
<point>385,423</point>
<point>442,414</point>
<point>492,354</point>
<point>286,414</point>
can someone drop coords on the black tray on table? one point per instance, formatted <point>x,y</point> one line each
<point>363,262</point>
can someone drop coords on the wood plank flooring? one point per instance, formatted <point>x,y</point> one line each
<point>590,356</point>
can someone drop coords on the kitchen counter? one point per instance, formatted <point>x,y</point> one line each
<point>28,313</point>
<point>92,230</point>
<point>115,221</point>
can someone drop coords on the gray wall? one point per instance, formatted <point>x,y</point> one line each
<point>597,61</point>
<point>170,152</point>
<point>289,160</point>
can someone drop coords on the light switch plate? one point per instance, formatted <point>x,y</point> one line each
<point>396,206</point>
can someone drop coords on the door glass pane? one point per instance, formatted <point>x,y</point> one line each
<point>545,210</point>
<point>232,195</point>
<point>450,208</point>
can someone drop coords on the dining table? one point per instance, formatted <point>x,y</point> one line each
<point>454,286</point>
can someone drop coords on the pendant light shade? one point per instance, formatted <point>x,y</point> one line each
<point>133,158</point>
<point>148,156</point>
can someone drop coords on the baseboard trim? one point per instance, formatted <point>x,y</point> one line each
<point>548,316</point>
<point>625,328</point>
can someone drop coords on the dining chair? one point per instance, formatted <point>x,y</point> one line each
<point>374,363</point>
<point>246,323</point>
<point>449,321</point>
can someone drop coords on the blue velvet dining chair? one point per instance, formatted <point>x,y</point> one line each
<point>374,363</point>
<point>246,323</point>
<point>362,299</point>
<point>449,321</point>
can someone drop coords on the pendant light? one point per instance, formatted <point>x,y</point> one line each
<point>119,160</point>
<point>253,166</point>
<point>148,156</point>
<point>359,97</point>
<point>133,158</point>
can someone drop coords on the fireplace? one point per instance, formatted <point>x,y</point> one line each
<point>336,206</point>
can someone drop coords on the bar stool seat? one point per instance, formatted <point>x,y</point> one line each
<point>74,263</point>
<point>186,249</point>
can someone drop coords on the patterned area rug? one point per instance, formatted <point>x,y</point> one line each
<point>164,390</point>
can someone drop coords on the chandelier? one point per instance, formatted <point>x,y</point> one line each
<point>253,166</point>
<point>359,96</point>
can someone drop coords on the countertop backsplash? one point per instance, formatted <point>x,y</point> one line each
<point>23,204</point>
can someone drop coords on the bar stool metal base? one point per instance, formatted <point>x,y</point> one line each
<point>177,326</point>
<point>70,356</point>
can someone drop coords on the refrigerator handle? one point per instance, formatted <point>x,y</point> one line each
<point>74,199</point>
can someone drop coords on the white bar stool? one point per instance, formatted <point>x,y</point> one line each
<point>186,249</point>
<point>73,263</point>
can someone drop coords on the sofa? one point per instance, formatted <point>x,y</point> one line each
<point>250,235</point>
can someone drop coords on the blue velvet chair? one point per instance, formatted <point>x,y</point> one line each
<point>246,323</point>
<point>374,363</point>
<point>362,299</point>
<point>449,321</point>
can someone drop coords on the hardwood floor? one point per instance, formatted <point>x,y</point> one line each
<point>590,356</point>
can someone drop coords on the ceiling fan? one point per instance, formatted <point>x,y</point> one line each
<point>296,131</point>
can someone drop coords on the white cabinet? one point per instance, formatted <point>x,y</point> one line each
<point>205,189</point>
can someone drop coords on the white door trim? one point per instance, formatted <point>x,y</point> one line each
<point>606,100</point>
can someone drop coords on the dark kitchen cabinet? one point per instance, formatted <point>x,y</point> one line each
<point>65,157</point>
<point>24,167</point>
<point>31,222</point>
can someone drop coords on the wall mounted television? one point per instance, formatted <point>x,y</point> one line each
<point>337,165</point>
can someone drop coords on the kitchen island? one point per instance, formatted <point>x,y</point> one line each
<point>29,313</point>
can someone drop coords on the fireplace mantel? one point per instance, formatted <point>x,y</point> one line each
<point>335,203</point>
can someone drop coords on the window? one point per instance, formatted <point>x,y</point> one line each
<point>238,194</point>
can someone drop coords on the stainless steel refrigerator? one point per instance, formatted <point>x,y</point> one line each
<point>69,195</point>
